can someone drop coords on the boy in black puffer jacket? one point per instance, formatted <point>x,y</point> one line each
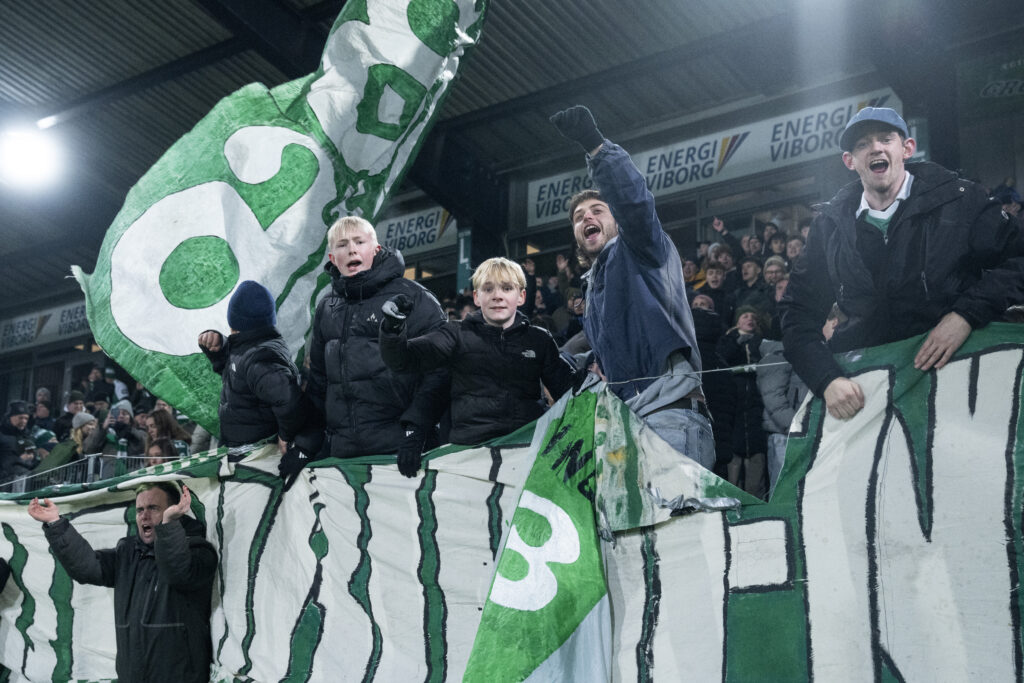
<point>497,359</point>
<point>260,396</point>
<point>369,409</point>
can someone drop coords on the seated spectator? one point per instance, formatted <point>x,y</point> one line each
<point>119,424</point>
<point>741,346</point>
<point>497,359</point>
<point>755,246</point>
<point>160,424</point>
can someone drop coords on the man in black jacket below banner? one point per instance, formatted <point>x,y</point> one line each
<point>368,409</point>
<point>162,580</point>
<point>260,396</point>
<point>905,250</point>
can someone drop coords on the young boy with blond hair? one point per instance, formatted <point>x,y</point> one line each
<point>498,360</point>
<point>367,408</point>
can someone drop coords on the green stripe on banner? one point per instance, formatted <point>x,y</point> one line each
<point>259,541</point>
<point>19,558</point>
<point>309,628</point>
<point>435,611</point>
<point>359,583</point>
<point>220,573</point>
<point>652,604</point>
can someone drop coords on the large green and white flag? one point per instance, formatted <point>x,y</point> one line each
<point>249,192</point>
<point>891,550</point>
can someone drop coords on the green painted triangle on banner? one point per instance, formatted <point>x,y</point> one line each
<point>550,575</point>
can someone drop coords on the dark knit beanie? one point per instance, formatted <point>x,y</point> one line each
<point>251,306</point>
<point>17,408</point>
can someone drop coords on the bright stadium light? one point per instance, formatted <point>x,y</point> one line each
<point>28,158</point>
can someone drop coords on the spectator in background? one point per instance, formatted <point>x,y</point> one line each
<point>752,291</point>
<point>142,397</point>
<point>42,417</point>
<point>75,404</point>
<point>719,389</point>
<point>767,230</point>
<point>72,448</point>
<point>777,244</point>
<point>160,451</point>
<point>755,247</point>
<point>805,227</point>
<point>794,247</point>
<point>774,270</point>
<point>693,274</point>
<point>119,424</point>
<point>725,258</point>
<point>17,450</point>
<point>715,289</point>
<point>160,425</point>
<point>118,389</point>
<point>741,346</point>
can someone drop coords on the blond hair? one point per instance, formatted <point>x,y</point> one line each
<point>499,270</point>
<point>347,224</point>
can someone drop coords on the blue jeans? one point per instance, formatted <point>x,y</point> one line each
<point>687,431</point>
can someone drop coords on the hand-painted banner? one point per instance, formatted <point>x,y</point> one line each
<point>891,550</point>
<point>249,193</point>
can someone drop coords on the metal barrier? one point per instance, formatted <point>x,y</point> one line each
<point>90,468</point>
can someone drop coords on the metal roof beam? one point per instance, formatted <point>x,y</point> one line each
<point>287,40</point>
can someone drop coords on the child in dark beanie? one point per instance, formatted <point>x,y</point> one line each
<point>260,396</point>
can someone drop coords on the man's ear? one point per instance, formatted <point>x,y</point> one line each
<point>848,160</point>
<point>909,147</point>
<point>522,297</point>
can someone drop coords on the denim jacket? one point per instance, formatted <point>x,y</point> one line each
<point>637,314</point>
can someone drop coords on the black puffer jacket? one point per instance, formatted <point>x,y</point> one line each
<point>260,395</point>
<point>10,452</point>
<point>949,248</point>
<point>363,402</point>
<point>161,597</point>
<point>496,373</point>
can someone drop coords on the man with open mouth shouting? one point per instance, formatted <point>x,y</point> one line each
<point>162,579</point>
<point>637,317</point>
<point>907,248</point>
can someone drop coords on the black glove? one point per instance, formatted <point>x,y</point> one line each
<point>577,124</point>
<point>411,451</point>
<point>292,463</point>
<point>396,310</point>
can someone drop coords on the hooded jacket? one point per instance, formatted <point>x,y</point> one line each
<point>363,403</point>
<point>496,373</point>
<point>162,597</point>
<point>948,248</point>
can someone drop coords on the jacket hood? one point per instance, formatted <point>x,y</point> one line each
<point>388,264</point>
